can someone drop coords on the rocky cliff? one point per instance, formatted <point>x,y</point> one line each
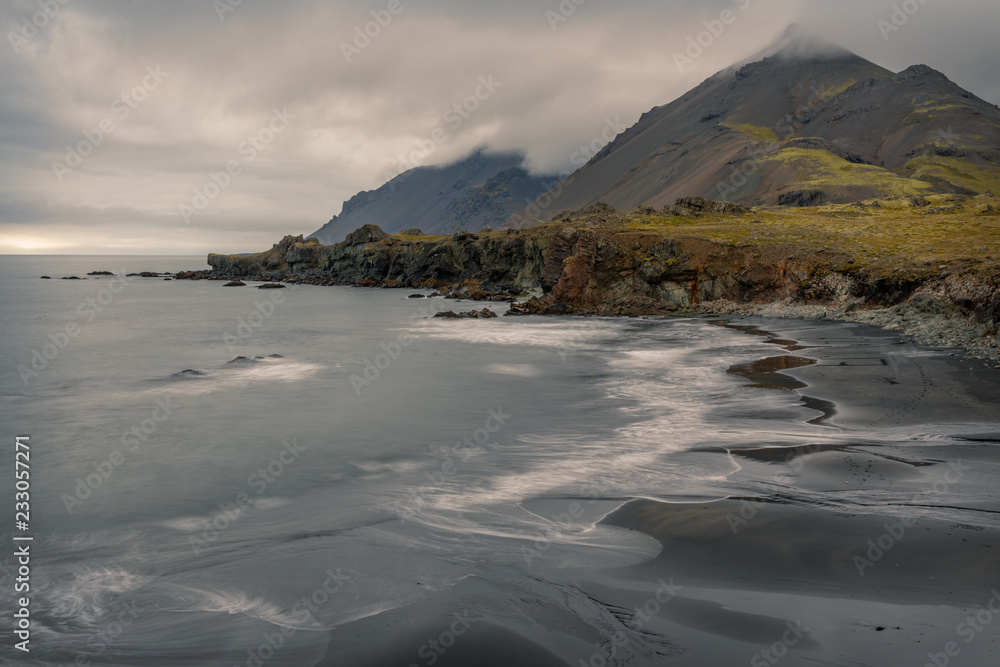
<point>370,257</point>
<point>600,261</point>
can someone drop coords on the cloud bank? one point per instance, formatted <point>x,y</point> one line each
<point>186,127</point>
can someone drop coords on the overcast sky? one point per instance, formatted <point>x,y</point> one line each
<point>154,98</point>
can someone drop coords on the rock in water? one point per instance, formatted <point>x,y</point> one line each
<point>483,314</point>
<point>235,283</point>
<point>271,286</point>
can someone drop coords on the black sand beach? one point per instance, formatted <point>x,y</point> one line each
<point>875,553</point>
<point>860,544</point>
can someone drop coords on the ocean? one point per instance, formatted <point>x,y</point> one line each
<point>234,476</point>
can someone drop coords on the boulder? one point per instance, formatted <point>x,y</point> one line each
<point>235,283</point>
<point>677,211</point>
<point>282,246</point>
<point>802,198</point>
<point>599,209</point>
<point>271,286</point>
<point>483,314</point>
<point>702,205</point>
<point>365,235</point>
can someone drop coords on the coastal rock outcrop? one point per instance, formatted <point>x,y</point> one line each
<point>485,313</point>
<point>581,265</point>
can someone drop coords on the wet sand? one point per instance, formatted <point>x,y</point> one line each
<point>877,552</point>
<point>881,549</point>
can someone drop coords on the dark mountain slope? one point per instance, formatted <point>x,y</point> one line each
<point>803,116</point>
<point>481,190</point>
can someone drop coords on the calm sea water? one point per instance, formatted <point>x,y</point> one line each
<point>358,458</point>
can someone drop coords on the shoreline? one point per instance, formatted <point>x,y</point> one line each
<point>853,543</point>
<point>602,262</point>
<point>926,323</point>
<point>932,330</point>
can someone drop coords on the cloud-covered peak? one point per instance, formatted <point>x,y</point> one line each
<point>262,119</point>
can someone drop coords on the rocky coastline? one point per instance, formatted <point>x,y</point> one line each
<point>592,263</point>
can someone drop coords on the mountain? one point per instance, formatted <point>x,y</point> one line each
<point>802,122</point>
<point>482,190</point>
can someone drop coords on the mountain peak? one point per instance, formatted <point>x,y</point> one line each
<point>798,43</point>
<point>803,116</point>
<point>794,30</point>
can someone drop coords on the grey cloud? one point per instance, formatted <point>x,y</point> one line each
<point>608,61</point>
